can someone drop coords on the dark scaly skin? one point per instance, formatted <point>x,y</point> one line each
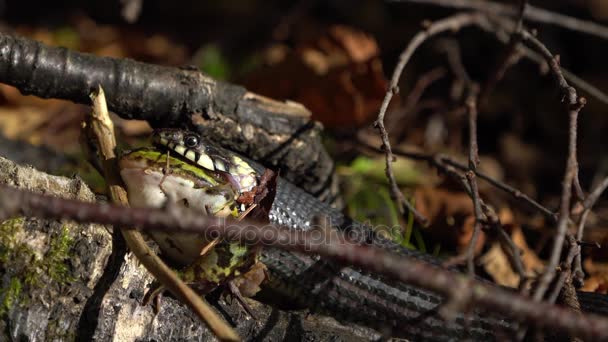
<point>358,296</point>
<point>294,207</point>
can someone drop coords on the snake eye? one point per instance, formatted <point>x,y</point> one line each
<point>191,141</point>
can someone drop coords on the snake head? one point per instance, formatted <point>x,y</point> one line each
<point>207,155</point>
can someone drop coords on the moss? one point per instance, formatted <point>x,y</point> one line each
<point>54,332</point>
<point>10,295</point>
<point>26,271</point>
<point>8,238</point>
<point>54,261</point>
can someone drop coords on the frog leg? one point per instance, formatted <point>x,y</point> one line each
<point>166,172</point>
<point>249,281</point>
<point>154,294</point>
<point>236,293</point>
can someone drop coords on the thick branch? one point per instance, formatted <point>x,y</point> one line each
<point>273,132</point>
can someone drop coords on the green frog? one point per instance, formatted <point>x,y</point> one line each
<point>155,179</point>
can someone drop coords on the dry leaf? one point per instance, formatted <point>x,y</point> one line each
<point>450,215</point>
<point>132,128</point>
<point>338,77</point>
<point>496,264</point>
<point>598,276</point>
<point>532,263</point>
<point>598,9</point>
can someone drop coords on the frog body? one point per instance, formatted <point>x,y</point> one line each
<point>154,179</point>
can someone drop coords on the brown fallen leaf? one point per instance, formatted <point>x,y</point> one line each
<point>598,9</point>
<point>57,126</point>
<point>497,263</point>
<point>532,263</point>
<point>337,75</point>
<point>84,34</point>
<point>597,280</point>
<point>451,218</point>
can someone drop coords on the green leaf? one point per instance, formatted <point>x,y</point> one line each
<point>67,37</point>
<point>404,170</point>
<point>211,61</point>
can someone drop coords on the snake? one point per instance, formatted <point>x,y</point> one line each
<point>346,293</point>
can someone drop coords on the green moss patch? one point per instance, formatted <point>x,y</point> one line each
<point>10,295</point>
<point>22,270</point>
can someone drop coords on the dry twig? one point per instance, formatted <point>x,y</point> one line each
<point>581,84</point>
<point>471,104</point>
<point>453,23</point>
<point>574,104</point>
<point>509,56</point>
<point>587,205</point>
<point>532,13</point>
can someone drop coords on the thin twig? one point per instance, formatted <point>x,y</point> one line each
<point>517,194</point>
<point>584,86</point>
<point>576,183</point>
<point>578,273</point>
<point>507,243</point>
<point>478,221</point>
<point>587,204</point>
<point>565,269</point>
<point>568,93</point>
<point>595,194</point>
<point>509,56</point>
<point>453,23</point>
<point>504,37</point>
<point>415,94</point>
<point>471,105</point>
<point>450,284</point>
<point>451,49</point>
<point>438,160</point>
<point>574,104</point>
<point>532,13</point>
<point>448,166</point>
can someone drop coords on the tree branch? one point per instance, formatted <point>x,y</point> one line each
<point>532,13</point>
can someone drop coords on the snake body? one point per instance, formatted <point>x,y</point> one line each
<point>350,294</point>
